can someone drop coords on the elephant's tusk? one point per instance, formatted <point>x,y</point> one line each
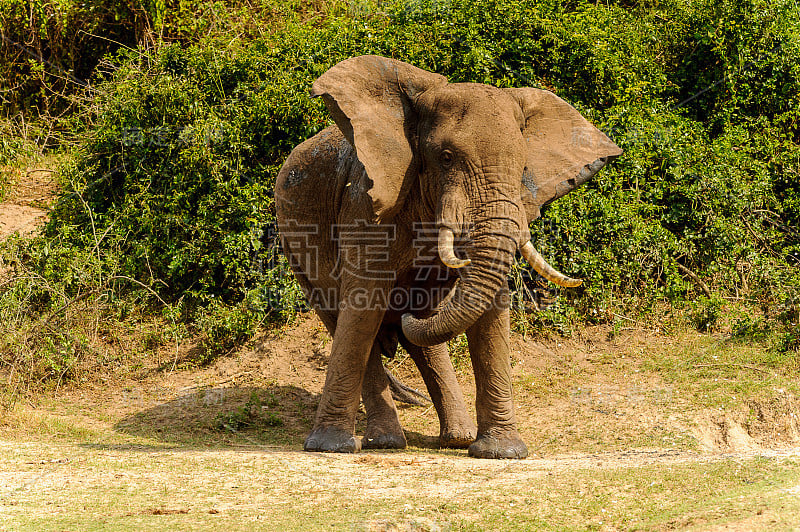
<point>446,252</point>
<point>538,263</point>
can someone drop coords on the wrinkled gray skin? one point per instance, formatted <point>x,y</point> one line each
<point>469,160</point>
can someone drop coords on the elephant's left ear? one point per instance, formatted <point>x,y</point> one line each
<point>564,149</point>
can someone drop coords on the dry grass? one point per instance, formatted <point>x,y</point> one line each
<point>620,440</point>
<point>140,485</point>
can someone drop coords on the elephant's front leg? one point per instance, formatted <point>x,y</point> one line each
<point>490,351</point>
<point>334,425</point>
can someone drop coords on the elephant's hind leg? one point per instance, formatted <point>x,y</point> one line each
<point>383,425</point>
<point>456,428</point>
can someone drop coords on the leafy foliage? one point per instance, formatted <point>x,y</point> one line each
<point>249,415</point>
<point>171,186</point>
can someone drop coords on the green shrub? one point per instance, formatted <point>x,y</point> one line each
<point>705,313</point>
<point>51,52</point>
<point>182,162</point>
<point>248,416</point>
<point>171,186</point>
<point>750,327</point>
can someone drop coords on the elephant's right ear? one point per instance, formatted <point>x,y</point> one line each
<point>371,98</point>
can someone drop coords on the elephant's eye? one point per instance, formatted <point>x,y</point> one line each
<point>446,158</point>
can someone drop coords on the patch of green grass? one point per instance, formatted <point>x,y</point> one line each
<point>716,372</point>
<point>648,498</point>
<point>458,348</point>
<point>19,150</point>
<point>249,415</point>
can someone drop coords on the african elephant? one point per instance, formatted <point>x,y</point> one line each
<point>401,223</point>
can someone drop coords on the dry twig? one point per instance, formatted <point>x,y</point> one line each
<point>695,279</point>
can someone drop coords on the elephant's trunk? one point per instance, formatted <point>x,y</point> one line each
<point>491,253</point>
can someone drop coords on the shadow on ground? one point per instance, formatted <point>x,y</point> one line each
<point>227,416</point>
<point>214,417</point>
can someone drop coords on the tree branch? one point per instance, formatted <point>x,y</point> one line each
<point>693,276</point>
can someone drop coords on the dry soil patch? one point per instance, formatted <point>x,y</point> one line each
<point>25,208</point>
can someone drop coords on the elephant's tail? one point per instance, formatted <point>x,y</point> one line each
<point>404,393</point>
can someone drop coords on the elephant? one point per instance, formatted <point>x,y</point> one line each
<point>401,222</point>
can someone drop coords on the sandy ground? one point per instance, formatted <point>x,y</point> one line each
<point>19,218</point>
<point>24,210</point>
<point>133,450</point>
<point>119,486</point>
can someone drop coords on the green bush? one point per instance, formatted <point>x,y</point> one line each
<point>181,165</point>
<point>171,185</point>
<point>51,52</point>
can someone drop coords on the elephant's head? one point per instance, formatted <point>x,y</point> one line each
<point>486,159</point>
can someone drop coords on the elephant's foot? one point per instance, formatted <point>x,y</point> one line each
<point>458,436</point>
<point>331,440</point>
<point>379,438</point>
<point>506,446</point>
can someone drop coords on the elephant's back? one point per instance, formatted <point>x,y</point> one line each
<point>312,178</point>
